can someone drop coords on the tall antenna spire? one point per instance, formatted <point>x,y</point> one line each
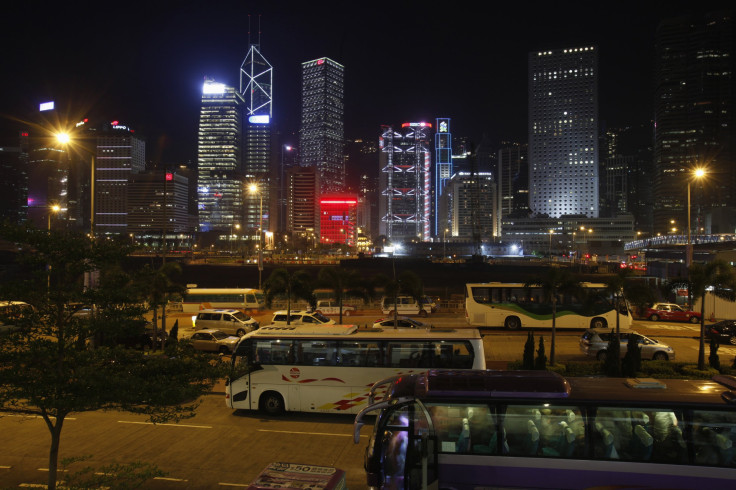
<point>259,31</point>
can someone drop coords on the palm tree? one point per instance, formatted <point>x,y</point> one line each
<point>158,285</point>
<point>717,277</point>
<point>341,282</point>
<point>407,283</point>
<point>554,282</point>
<point>292,285</point>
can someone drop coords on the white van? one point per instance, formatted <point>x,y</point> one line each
<point>405,305</point>
<point>231,322</point>
<point>332,307</point>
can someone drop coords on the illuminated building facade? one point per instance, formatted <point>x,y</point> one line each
<point>120,154</point>
<point>14,183</point>
<point>512,180</point>
<point>322,133</point>
<point>157,204</point>
<point>219,181</point>
<point>472,199</point>
<point>256,83</point>
<point>442,173</point>
<point>563,132</point>
<point>302,203</point>
<point>405,161</point>
<point>694,123</point>
<point>338,217</point>
<point>48,179</point>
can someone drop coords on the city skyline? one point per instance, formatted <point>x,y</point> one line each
<point>150,79</point>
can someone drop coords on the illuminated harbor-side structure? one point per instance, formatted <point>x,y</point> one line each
<point>563,132</point>
<point>219,181</point>
<point>338,215</point>
<point>405,161</point>
<point>442,174</point>
<point>322,134</point>
<point>256,88</point>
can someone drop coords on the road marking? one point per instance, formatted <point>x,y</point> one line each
<point>307,433</point>
<point>168,479</point>
<point>32,416</point>
<point>234,484</point>
<point>46,469</point>
<point>168,425</point>
<point>2,467</point>
<point>33,485</point>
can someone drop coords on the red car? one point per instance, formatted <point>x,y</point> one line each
<point>671,312</point>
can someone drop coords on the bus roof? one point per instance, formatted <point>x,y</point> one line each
<point>220,290</point>
<point>522,385</point>
<point>318,331</point>
<point>596,285</point>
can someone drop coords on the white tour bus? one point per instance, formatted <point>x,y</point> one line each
<point>196,299</point>
<point>331,368</point>
<point>513,305</point>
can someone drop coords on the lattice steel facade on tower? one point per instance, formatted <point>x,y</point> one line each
<point>563,132</point>
<point>219,180</point>
<point>405,161</point>
<point>256,88</point>
<point>322,133</point>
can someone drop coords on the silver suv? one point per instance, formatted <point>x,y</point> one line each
<point>301,318</point>
<point>594,343</point>
<point>232,322</point>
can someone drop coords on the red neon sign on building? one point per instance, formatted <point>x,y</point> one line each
<point>338,216</point>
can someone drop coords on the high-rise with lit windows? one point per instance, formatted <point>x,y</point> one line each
<point>219,180</point>
<point>694,124</point>
<point>256,83</point>
<point>563,132</point>
<point>322,133</point>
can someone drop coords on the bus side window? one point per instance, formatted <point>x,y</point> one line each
<point>714,437</point>
<point>250,299</point>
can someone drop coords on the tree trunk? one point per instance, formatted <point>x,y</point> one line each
<point>701,346</point>
<point>554,331</point>
<point>54,451</point>
<point>155,327</point>
<point>163,325</point>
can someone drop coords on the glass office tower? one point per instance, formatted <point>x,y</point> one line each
<point>322,131</point>
<point>219,181</point>
<point>563,132</point>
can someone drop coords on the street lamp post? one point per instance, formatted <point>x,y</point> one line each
<point>698,174</point>
<point>53,209</point>
<point>253,188</point>
<point>550,244</point>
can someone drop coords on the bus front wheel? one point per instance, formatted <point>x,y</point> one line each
<point>598,323</point>
<point>512,323</point>
<point>272,403</point>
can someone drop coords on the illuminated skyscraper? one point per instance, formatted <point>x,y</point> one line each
<point>322,131</point>
<point>694,123</point>
<point>405,161</point>
<point>120,154</point>
<point>219,181</point>
<point>442,173</point>
<point>563,132</point>
<point>256,82</point>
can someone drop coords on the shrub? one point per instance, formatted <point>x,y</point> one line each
<point>541,361</point>
<point>632,360</point>
<point>612,364</point>
<point>713,360</point>
<point>528,362</point>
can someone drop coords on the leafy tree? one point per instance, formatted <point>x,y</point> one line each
<point>632,359</point>
<point>528,362</point>
<point>612,362</point>
<point>540,362</point>
<point>50,367</point>
<point>293,285</point>
<point>343,282</point>
<point>556,281</point>
<point>408,283</point>
<point>719,279</point>
<point>713,360</point>
<point>157,287</point>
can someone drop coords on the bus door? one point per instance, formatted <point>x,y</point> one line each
<point>408,450</point>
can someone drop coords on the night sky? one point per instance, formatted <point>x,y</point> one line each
<point>143,63</point>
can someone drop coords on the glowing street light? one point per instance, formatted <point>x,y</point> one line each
<point>53,209</point>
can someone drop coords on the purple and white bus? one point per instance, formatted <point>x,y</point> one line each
<point>466,429</point>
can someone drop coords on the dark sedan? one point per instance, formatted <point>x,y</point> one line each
<point>723,331</point>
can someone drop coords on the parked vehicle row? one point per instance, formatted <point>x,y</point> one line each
<point>594,343</point>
